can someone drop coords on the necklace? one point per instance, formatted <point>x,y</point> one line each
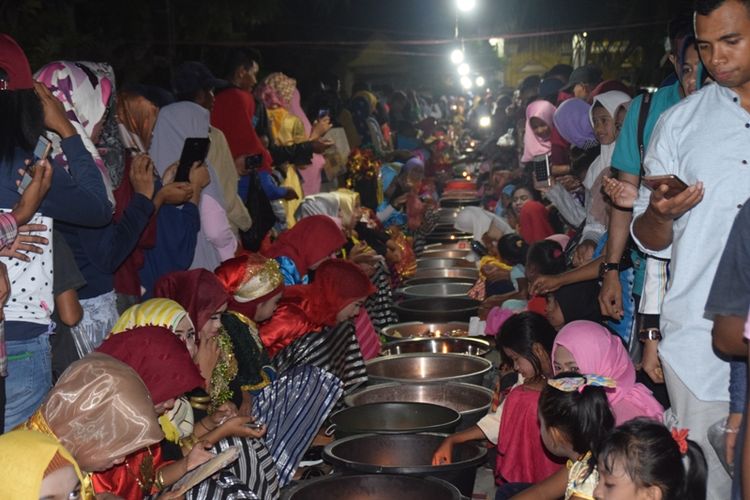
<point>146,476</point>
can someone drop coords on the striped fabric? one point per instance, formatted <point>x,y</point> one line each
<point>334,350</point>
<point>252,476</point>
<point>379,305</point>
<point>294,407</point>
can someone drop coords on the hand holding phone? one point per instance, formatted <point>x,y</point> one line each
<point>674,183</point>
<point>195,149</point>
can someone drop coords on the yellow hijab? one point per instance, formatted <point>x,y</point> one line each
<point>153,312</point>
<point>24,458</point>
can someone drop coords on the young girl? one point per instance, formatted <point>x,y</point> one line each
<point>641,459</point>
<point>575,419</point>
<point>533,217</point>
<point>544,257</point>
<point>524,340</point>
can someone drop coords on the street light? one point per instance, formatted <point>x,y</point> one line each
<point>457,56</point>
<point>466,5</point>
<point>479,81</point>
<point>464,69</point>
<point>466,82</point>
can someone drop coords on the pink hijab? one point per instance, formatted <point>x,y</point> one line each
<point>533,145</point>
<point>312,173</point>
<point>599,352</point>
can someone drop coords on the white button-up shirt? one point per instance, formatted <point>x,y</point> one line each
<point>706,137</point>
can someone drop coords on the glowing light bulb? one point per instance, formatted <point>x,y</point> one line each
<point>464,69</point>
<point>485,121</point>
<point>466,5</point>
<point>479,81</point>
<point>466,82</point>
<point>457,56</point>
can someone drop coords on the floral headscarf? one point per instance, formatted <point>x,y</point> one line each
<point>277,91</point>
<point>86,90</point>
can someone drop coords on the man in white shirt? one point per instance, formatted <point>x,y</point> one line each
<point>705,141</point>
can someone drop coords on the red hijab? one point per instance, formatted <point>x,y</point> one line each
<point>199,291</point>
<point>310,240</point>
<point>308,308</point>
<point>160,359</point>
<point>251,280</point>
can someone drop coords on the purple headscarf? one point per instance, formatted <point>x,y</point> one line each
<point>572,122</point>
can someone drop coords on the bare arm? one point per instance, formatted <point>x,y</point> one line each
<point>728,335</point>
<point>551,488</point>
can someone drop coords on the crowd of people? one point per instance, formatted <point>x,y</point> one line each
<point>162,309</point>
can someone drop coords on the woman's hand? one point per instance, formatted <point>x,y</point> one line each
<point>199,455</point>
<point>545,284</point>
<point>176,193</point>
<point>320,127</point>
<point>25,242</point>
<point>142,175</point>
<point>199,177</point>
<point>33,195</point>
<point>237,426</point>
<point>55,118</point>
<point>444,454</point>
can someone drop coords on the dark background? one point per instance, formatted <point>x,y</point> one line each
<point>145,39</point>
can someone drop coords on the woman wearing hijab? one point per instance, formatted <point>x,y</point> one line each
<point>166,367</point>
<point>303,247</point>
<point>312,175</point>
<point>98,392</point>
<point>578,301</point>
<point>484,227</point>
<point>168,243</point>
<point>88,91</point>
<point>292,403</point>
<point>538,130</point>
<point>588,347</point>
<point>77,196</point>
<point>313,323</point>
<point>190,421</point>
<point>177,122</point>
<point>34,465</point>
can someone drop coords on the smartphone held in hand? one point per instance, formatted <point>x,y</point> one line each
<point>195,149</point>
<point>675,184</point>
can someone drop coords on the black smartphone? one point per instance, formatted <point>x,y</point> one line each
<point>478,248</point>
<point>323,113</point>
<point>194,150</point>
<point>675,184</point>
<point>253,161</point>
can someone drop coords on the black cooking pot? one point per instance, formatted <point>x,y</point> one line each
<point>394,418</point>
<point>437,309</point>
<point>409,454</point>
<point>373,487</point>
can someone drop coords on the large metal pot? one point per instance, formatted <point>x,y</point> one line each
<point>439,247</point>
<point>418,329</point>
<point>427,262</point>
<point>465,273</point>
<point>445,254</point>
<point>373,487</point>
<point>394,418</point>
<point>437,309</point>
<point>436,290</point>
<point>407,454</point>
<point>432,281</point>
<point>471,401</point>
<point>459,202</point>
<point>442,345</point>
<point>447,215</point>
<point>447,237</point>
<point>428,368</point>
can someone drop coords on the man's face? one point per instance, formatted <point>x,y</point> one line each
<point>249,77</point>
<point>723,39</point>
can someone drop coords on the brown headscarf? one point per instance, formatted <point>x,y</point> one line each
<point>138,115</point>
<point>100,410</point>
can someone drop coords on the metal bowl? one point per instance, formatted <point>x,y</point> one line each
<point>426,262</point>
<point>439,247</point>
<point>373,487</point>
<point>417,329</point>
<point>406,454</point>
<point>471,401</point>
<point>463,272</point>
<point>442,345</point>
<point>432,281</point>
<point>449,237</point>
<point>447,215</point>
<point>437,309</point>
<point>460,202</point>
<point>428,368</point>
<point>436,290</point>
<point>445,254</point>
<point>394,418</point>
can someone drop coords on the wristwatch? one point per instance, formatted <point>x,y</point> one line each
<point>649,334</point>
<point>606,267</point>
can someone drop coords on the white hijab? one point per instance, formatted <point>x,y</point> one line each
<point>611,101</point>
<point>477,221</point>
